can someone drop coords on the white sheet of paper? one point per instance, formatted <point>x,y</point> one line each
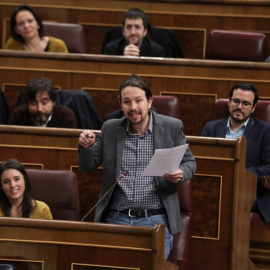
<point>165,161</point>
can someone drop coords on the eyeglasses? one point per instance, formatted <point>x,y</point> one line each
<point>236,102</point>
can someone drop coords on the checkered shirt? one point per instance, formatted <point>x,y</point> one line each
<point>135,191</point>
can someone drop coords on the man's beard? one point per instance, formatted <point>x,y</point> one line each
<point>237,120</point>
<point>40,119</point>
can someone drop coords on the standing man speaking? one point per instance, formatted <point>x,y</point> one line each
<point>128,144</point>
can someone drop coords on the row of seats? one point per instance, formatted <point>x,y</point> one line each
<point>221,45</point>
<point>170,106</point>
<point>83,106</point>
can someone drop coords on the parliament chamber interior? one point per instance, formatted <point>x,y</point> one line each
<point>223,42</point>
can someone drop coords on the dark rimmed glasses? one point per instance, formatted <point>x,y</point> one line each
<point>236,102</point>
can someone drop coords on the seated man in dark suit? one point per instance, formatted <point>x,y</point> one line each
<point>40,109</point>
<point>134,41</point>
<point>242,103</point>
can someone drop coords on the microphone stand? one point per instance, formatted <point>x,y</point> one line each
<point>121,177</point>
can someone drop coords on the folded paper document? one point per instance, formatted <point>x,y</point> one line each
<point>165,161</point>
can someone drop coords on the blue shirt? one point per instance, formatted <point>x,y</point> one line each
<point>233,135</point>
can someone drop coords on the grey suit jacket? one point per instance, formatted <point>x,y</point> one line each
<point>168,133</point>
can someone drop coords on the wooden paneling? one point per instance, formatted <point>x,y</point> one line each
<point>12,93</point>
<point>223,189</point>
<point>55,245</point>
<point>197,83</point>
<point>260,247</point>
<point>105,99</point>
<point>207,210</point>
<point>218,204</point>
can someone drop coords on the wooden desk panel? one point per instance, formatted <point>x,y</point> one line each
<point>197,83</point>
<point>223,189</point>
<point>260,246</point>
<point>55,245</point>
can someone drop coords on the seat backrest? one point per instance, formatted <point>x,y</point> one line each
<point>82,104</point>
<point>72,34</point>
<point>113,33</point>
<point>167,105</point>
<point>220,109</point>
<point>235,45</point>
<point>58,189</point>
<point>180,253</point>
<point>262,110</point>
<point>167,39</point>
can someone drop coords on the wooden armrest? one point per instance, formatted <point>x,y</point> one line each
<point>265,181</point>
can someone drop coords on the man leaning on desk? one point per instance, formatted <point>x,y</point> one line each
<point>128,144</point>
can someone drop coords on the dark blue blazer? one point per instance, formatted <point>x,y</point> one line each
<point>257,134</point>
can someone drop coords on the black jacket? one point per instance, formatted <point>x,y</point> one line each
<point>148,48</point>
<point>164,37</point>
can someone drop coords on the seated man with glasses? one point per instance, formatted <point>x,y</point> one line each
<point>242,103</point>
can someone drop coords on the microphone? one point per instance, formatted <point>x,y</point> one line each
<point>119,178</point>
